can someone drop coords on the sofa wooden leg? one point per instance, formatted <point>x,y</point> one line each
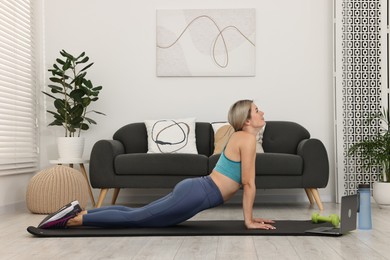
<point>310,196</point>
<point>317,198</point>
<point>103,193</point>
<point>115,195</point>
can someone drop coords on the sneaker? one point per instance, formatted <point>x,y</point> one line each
<point>66,212</point>
<point>59,223</point>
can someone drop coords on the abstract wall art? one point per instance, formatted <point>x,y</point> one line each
<point>206,42</point>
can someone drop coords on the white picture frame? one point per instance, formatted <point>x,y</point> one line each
<point>206,42</point>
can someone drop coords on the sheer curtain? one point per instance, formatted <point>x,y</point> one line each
<point>18,119</point>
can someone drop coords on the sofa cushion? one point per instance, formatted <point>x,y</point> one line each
<point>133,137</point>
<point>171,136</point>
<point>279,164</point>
<point>204,138</point>
<point>161,164</point>
<point>272,164</point>
<point>283,137</point>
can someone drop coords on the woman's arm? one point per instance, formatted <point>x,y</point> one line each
<point>248,158</point>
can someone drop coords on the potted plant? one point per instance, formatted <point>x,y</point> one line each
<point>72,94</point>
<point>375,151</point>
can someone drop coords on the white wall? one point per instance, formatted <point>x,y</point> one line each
<point>293,67</point>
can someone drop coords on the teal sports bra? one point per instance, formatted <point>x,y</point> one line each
<point>229,168</point>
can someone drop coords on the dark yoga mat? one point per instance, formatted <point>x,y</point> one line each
<point>188,228</point>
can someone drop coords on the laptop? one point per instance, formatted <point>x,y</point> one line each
<point>349,207</point>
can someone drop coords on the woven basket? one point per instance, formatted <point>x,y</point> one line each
<point>54,187</point>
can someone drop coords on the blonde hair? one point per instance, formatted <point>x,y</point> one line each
<point>239,112</point>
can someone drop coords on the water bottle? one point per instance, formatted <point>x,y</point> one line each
<point>364,206</point>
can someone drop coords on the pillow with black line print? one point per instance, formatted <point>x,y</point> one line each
<point>171,136</point>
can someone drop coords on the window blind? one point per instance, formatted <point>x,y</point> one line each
<point>18,127</point>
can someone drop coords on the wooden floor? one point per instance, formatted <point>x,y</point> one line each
<point>16,243</point>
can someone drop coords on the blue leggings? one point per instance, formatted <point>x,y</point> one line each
<point>188,198</point>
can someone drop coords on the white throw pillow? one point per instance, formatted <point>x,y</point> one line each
<point>222,135</point>
<point>259,137</point>
<point>171,136</point>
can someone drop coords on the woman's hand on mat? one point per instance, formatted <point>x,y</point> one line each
<point>260,223</point>
<point>263,221</point>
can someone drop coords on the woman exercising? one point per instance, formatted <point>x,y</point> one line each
<point>235,168</point>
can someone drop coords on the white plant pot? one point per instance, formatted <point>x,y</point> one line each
<point>381,193</point>
<point>70,147</point>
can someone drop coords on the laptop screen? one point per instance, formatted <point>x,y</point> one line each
<point>349,206</point>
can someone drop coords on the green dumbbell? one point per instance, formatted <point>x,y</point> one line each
<point>333,218</point>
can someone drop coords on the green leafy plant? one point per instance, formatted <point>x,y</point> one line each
<point>72,93</point>
<point>375,150</point>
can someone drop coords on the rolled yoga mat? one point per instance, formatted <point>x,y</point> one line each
<point>188,228</point>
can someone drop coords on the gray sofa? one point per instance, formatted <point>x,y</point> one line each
<point>291,159</point>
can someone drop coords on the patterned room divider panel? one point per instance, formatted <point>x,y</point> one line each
<point>360,83</point>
